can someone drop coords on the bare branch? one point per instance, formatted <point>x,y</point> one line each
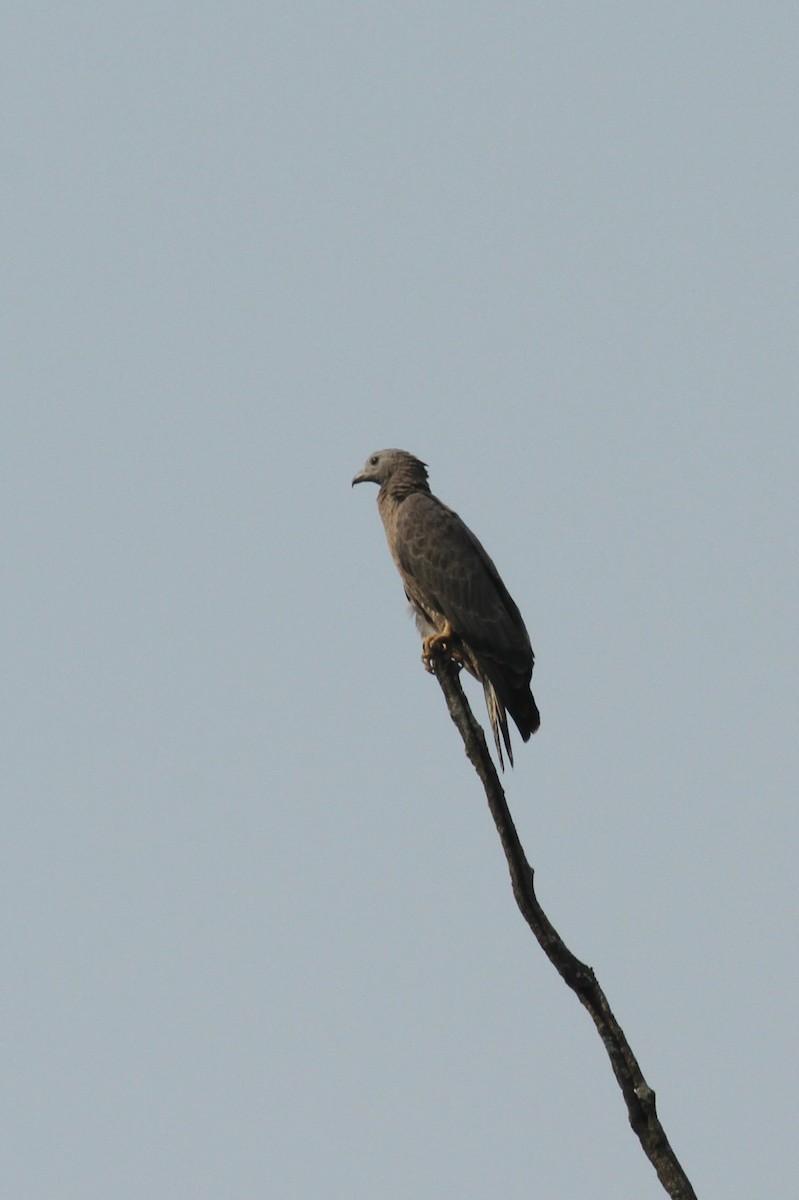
<point>638,1095</point>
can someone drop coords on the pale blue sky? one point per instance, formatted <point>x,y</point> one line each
<point>258,935</point>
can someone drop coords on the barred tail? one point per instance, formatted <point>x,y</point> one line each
<point>499,722</point>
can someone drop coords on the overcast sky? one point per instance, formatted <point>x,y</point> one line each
<point>258,934</point>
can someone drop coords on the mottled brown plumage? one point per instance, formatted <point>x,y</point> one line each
<point>462,606</point>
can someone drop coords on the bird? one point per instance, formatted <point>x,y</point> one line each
<point>463,609</point>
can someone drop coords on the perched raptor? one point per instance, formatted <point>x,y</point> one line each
<point>462,606</point>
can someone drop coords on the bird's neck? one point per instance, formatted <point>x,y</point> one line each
<point>407,479</point>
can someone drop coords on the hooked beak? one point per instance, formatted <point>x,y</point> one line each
<point>361,477</point>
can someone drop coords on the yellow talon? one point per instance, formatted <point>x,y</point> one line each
<point>436,644</point>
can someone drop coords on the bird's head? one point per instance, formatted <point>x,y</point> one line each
<point>383,464</point>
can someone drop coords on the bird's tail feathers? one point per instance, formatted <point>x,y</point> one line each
<point>499,722</point>
<point>524,711</point>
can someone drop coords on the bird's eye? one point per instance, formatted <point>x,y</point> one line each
<point>373,460</point>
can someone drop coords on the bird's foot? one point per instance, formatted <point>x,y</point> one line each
<point>437,646</point>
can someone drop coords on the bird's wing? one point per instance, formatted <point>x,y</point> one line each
<point>446,570</point>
